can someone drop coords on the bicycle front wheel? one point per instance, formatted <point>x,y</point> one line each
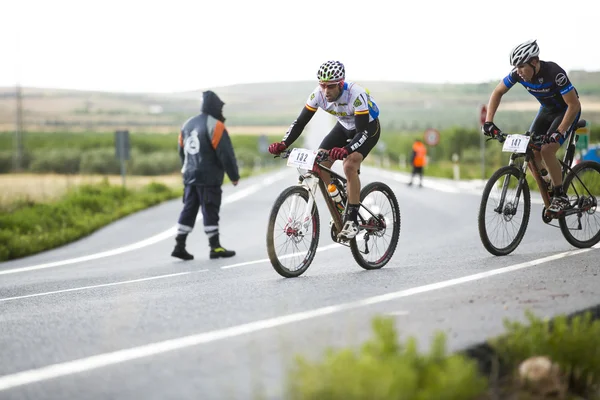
<point>292,237</point>
<point>580,224</point>
<point>503,217</point>
<point>379,219</point>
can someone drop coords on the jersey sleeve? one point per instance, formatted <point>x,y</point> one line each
<point>562,81</point>
<point>312,103</point>
<point>360,103</point>
<point>511,79</point>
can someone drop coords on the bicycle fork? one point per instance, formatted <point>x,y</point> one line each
<point>523,169</point>
<point>301,225</point>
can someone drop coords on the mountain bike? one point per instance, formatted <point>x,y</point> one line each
<point>294,225</point>
<point>506,201</point>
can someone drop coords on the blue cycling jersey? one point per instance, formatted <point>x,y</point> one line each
<point>547,86</point>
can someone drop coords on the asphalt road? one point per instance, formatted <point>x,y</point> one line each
<point>113,316</point>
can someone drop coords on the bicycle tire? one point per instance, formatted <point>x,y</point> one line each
<point>271,250</point>
<point>356,252</point>
<point>564,228</point>
<point>526,198</point>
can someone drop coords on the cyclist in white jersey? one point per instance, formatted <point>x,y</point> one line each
<point>351,139</point>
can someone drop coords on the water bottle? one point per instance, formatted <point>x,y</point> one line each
<point>335,194</point>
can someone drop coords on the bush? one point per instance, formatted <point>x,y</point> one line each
<point>64,161</point>
<point>30,228</point>
<point>6,162</point>
<point>155,163</point>
<point>383,369</point>
<point>573,345</point>
<point>100,161</point>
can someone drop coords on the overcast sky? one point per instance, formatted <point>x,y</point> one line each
<point>176,45</point>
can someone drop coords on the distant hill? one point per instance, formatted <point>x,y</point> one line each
<point>264,107</point>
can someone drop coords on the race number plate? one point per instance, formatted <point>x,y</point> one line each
<point>515,144</point>
<point>301,158</point>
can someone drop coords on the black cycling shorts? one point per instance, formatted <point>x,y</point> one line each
<point>340,136</point>
<point>546,122</point>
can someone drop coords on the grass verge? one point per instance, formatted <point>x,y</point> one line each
<point>41,212</point>
<point>27,227</point>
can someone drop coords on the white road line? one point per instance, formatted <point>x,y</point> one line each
<point>170,233</point>
<point>324,248</point>
<point>398,313</point>
<point>100,286</point>
<point>121,356</point>
<point>242,264</point>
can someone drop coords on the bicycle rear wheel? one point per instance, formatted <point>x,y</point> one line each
<point>503,220</point>
<point>291,242</point>
<point>580,225</point>
<point>377,240</point>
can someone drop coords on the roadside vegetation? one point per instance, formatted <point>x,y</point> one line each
<point>27,227</point>
<point>94,153</point>
<point>72,185</point>
<point>537,359</point>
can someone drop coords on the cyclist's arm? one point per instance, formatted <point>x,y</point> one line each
<point>298,125</point>
<point>573,108</point>
<point>494,101</point>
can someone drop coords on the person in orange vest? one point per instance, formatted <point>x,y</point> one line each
<point>418,160</point>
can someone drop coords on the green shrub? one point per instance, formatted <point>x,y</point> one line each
<point>100,161</point>
<point>30,228</point>
<point>94,152</point>
<point>155,163</point>
<point>63,161</point>
<point>573,345</point>
<point>6,162</point>
<point>384,369</point>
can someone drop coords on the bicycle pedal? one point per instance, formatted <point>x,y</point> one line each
<point>343,242</point>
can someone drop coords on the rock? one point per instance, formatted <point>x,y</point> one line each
<point>539,375</point>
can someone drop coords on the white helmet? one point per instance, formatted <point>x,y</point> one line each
<point>524,52</point>
<point>331,71</point>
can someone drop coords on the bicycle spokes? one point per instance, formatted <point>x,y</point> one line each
<point>580,223</point>
<point>293,231</point>
<point>376,224</point>
<point>502,218</point>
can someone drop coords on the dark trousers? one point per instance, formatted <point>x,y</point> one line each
<point>195,197</point>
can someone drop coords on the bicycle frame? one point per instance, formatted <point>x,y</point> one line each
<point>311,180</point>
<point>530,160</point>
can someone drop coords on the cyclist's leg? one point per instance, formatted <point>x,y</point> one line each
<point>560,200</point>
<point>352,170</point>
<point>335,138</point>
<point>540,125</point>
<point>549,152</point>
<point>353,161</point>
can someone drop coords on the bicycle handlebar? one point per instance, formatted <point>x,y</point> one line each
<point>536,141</point>
<point>321,155</point>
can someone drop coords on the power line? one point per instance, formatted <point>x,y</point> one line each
<point>18,158</point>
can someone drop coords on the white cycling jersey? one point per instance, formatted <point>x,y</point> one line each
<point>354,100</point>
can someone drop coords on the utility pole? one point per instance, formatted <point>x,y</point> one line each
<point>18,159</point>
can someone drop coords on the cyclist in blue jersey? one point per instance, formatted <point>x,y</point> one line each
<point>557,116</point>
<point>351,139</point>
